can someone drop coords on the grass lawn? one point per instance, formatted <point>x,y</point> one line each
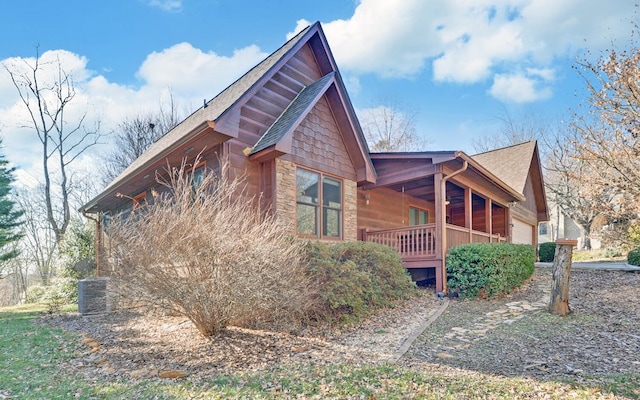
<point>36,363</point>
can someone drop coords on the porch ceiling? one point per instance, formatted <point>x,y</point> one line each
<point>422,188</point>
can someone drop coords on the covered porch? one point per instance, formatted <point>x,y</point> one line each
<point>427,203</point>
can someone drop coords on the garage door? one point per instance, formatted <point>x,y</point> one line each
<point>522,232</point>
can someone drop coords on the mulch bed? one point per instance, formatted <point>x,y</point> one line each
<point>600,337</point>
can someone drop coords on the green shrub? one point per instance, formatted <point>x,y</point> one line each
<point>633,258</point>
<point>612,252</point>
<point>353,279</point>
<point>60,291</point>
<point>489,269</point>
<point>546,251</point>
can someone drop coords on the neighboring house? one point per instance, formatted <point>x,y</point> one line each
<point>560,226</point>
<point>289,127</point>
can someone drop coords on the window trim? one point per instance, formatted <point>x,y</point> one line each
<point>320,207</point>
<point>419,209</point>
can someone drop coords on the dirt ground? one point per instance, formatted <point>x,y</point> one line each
<point>510,336</point>
<point>601,336</point>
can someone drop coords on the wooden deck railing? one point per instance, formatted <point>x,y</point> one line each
<point>457,235</point>
<point>411,242</point>
<point>414,242</point>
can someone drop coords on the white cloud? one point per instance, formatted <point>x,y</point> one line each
<point>472,41</point>
<point>386,37</point>
<point>519,88</point>
<point>185,68</point>
<point>187,74</point>
<point>167,5</point>
<point>300,25</point>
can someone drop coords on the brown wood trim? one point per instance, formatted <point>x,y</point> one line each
<point>320,236</point>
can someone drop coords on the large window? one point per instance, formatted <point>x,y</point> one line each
<point>319,205</point>
<point>418,216</point>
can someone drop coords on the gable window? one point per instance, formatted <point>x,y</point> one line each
<point>418,216</point>
<point>318,205</point>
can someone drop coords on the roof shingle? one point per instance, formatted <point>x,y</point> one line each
<point>510,164</point>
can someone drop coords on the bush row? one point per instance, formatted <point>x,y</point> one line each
<point>489,269</point>
<point>353,279</point>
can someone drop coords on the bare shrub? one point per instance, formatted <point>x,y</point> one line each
<point>207,252</point>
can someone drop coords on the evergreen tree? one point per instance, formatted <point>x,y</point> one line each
<point>10,216</point>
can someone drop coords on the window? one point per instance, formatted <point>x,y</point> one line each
<point>196,175</point>
<point>542,228</point>
<point>418,216</point>
<point>106,221</point>
<point>319,205</point>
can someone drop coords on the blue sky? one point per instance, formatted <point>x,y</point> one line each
<point>459,65</point>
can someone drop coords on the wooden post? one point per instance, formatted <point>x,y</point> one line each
<point>559,302</point>
<point>468,213</point>
<point>441,239</point>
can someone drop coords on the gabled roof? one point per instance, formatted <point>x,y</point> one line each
<point>211,111</point>
<point>292,115</point>
<point>219,117</point>
<point>511,164</point>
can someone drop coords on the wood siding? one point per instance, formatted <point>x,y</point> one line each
<point>388,209</point>
<point>260,112</point>
<point>318,143</point>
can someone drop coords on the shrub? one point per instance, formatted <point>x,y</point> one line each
<point>59,292</point>
<point>633,258</point>
<point>353,279</point>
<point>208,253</point>
<point>546,251</point>
<point>489,269</point>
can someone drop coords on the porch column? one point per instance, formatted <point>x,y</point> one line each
<point>468,213</point>
<point>488,219</point>
<point>441,229</point>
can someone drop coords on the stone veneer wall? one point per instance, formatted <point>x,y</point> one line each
<point>285,201</point>
<point>285,193</point>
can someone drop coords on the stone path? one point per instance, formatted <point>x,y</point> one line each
<point>461,338</point>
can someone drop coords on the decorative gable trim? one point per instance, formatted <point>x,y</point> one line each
<point>279,136</point>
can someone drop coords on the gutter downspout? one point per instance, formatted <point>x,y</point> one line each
<point>443,192</point>
<point>96,239</point>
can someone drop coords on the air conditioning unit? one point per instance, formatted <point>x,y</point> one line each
<point>93,296</point>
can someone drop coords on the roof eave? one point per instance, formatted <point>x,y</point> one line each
<point>201,129</point>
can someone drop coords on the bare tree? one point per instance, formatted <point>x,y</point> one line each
<point>14,274</point>
<point>62,141</point>
<point>608,131</point>
<point>509,132</point>
<point>134,135</point>
<point>566,182</point>
<point>389,128</point>
<point>38,245</point>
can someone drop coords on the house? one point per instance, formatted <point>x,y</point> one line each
<point>289,127</point>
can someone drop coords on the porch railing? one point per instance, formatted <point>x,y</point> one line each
<point>411,242</point>
<point>419,241</point>
<point>457,235</point>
